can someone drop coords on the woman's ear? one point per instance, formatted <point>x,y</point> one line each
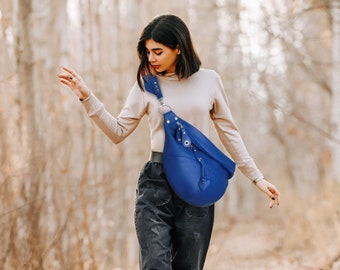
<point>178,50</point>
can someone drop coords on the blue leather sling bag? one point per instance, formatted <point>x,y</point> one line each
<point>196,169</point>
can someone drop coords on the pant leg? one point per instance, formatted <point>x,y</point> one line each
<point>172,234</point>
<point>154,218</point>
<point>192,233</point>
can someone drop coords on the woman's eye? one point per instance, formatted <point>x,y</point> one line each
<point>155,52</point>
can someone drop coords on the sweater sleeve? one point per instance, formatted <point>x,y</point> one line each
<point>117,128</point>
<point>230,136</point>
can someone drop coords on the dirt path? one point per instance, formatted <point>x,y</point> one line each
<point>251,245</point>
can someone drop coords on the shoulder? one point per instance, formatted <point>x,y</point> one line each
<point>207,77</point>
<point>207,74</point>
<point>210,79</point>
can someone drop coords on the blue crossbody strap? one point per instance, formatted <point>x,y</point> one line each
<point>152,86</point>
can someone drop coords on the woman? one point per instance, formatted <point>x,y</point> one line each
<point>171,233</point>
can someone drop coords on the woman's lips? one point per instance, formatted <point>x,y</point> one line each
<point>156,66</point>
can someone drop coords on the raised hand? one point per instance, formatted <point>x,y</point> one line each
<point>75,83</point>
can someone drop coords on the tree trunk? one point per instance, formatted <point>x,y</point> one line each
<point>335,118</point>
<point>31,145</point>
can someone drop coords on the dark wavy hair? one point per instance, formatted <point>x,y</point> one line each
<point>171,31</point>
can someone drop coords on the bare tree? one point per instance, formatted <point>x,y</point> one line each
<point>67,193</point>
<point>335,116</point>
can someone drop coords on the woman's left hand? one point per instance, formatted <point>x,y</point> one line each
<point>269,189</point>
<point>75,83</point>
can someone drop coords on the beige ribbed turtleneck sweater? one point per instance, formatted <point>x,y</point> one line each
<point>200,100</point>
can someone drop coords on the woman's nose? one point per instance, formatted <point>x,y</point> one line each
<point>151,57</point>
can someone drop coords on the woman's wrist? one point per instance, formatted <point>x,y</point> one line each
<point>258,179</point>
<point>84,97</point>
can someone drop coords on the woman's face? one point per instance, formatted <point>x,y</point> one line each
<point>161,57</point>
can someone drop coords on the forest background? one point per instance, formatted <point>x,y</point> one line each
<point>67,193</point>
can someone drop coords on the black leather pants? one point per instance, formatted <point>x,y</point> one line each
<point>171,233</point>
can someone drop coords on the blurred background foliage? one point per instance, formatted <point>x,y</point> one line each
<point>67,193</point>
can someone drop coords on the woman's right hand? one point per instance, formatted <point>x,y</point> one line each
<point>75,83</point>
<point>269,189</point>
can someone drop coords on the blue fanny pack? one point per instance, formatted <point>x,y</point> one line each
<point>196,169</point>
